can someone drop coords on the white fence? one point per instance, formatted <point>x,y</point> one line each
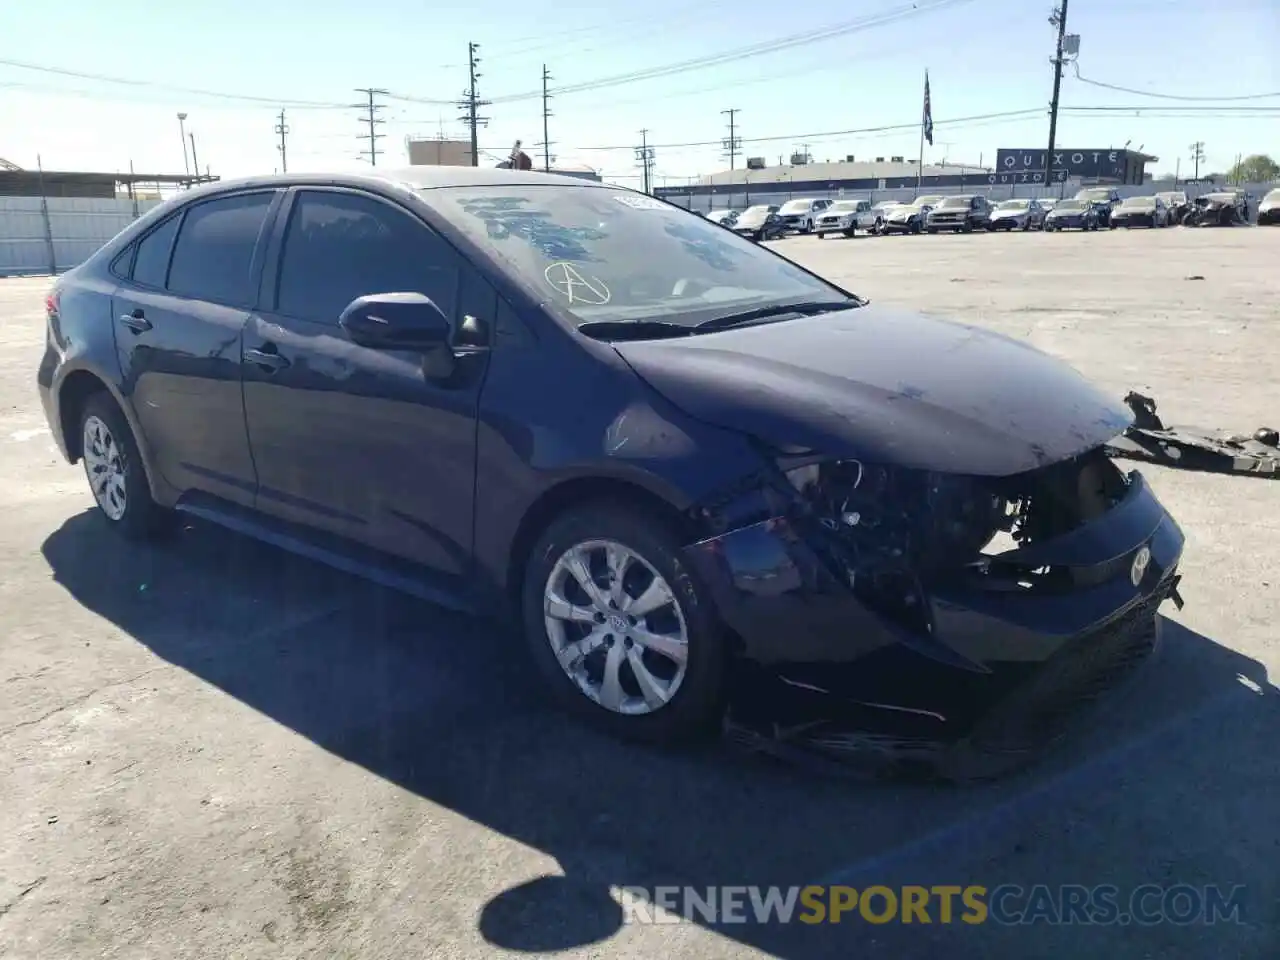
<point>45,236</point>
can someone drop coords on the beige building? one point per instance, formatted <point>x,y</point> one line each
<point>439,153</point>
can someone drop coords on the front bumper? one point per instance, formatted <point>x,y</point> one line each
<point>1269,216</point>
<point>793,223</point>
<point>1006,223</point>
<point>947,222</point>
<point>988,686</point>
<point>1133,219</point>
<point>833,224</point>
<point>900,226</point>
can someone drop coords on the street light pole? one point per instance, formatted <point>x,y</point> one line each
<point>182,129</point>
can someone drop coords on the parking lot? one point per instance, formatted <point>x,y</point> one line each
<point>215,749</point>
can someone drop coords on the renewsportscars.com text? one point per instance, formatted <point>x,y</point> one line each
<point>1006,904</point>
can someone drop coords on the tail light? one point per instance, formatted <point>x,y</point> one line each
<point>51,304</point>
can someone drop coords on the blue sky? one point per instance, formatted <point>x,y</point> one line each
<point>983,57</point>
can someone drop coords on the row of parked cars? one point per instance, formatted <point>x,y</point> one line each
<point>1093,208</point>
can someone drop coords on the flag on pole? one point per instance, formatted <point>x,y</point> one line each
<point>928,111</point>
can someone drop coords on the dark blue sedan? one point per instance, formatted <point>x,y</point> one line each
<point>705,482</point>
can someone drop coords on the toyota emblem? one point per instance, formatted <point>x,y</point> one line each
<point>1141,560</point>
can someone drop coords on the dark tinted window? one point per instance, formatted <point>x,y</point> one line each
<point>153,254</point>
<point>342,245</point>
<point>214,254</point>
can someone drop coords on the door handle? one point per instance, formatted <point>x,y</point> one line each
<point>136,321</point>
<point>269,360</point>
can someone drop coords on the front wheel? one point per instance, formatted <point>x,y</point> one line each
<point>114,469</point>
<point>621,628</point>
<point>821,235</point>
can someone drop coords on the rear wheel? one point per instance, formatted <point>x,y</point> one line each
<point>621,629</point>
<point>115,471</point>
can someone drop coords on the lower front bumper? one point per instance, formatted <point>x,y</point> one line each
<point>993,678</point>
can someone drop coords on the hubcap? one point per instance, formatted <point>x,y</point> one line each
<point>104,466</point>
<point>615,627</point>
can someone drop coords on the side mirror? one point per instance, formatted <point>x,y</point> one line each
<point>396,321</point>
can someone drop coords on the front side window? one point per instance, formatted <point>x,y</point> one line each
<point>214,253</point>
<point>340,246</point>
<point>152,261</point>
<point>576,246</point>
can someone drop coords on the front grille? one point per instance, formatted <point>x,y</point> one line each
<point>1038,713</point>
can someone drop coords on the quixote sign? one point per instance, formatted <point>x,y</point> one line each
<point>1105,164</point>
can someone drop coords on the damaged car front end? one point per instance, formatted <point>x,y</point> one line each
<point>879,620</point>
<point>931,575</point>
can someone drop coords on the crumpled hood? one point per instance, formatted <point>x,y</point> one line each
<point>903,213</point>
<point>888,386</point>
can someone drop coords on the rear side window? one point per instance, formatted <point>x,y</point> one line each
<point>214,254</point>
<point>152,262</point>
<point>340,246</point>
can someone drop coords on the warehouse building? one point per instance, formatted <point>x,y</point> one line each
<point>898,177</point>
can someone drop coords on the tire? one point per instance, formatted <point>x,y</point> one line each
<point>849,232</point>
<point>822,236</point>
<point>109,449</point>
<point>931,229</point>
<point>695,695</point>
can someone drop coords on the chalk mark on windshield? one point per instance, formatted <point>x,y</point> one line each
<point>506,217</point>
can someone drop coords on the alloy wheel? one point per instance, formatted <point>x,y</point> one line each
<point>104,466</point>
<point>615,627</point>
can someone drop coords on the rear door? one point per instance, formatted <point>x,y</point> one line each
<point>179,314</point>
<point>366,444</point>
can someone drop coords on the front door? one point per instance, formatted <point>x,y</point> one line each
<point>179,316</point>
<point>367,444</point>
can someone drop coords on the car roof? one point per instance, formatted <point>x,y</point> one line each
<point>417,178</point>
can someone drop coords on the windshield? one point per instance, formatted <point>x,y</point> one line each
<point>1272,196</point>
<point>1139,202</point>
<point>844,206</point>
<point>953,202</point>
<point>1095,196</point>
<point>1014,205</point>
<point>927,201</point>
<point>718,215</point>
<point>1069,205</point>
<point>601,254</point>
<point>795,206</point>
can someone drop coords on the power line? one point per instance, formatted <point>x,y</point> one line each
<point>753,50</point>
<point>195,91</point>
<point>800,137</point>
<point>471,102</point>
<point>283,131</point>
<point>372,119</point>
<point>1171,96</point>
<point>733,143</point>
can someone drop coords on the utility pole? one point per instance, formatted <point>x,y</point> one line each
<point>182,132</point>
<point>371,119</point>
<point>195,164</point>
<point>282,130</point>
<point>1058,19</point>
<point>645,154</point>
<point>546,114</point>
<point>1197,155</point>
<point>471,102</point>
<point>732,144</point>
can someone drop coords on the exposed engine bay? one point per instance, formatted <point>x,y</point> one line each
<point>890,533</point>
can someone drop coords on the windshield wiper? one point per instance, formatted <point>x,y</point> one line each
<point>633,329</point>
<point>804,308</point>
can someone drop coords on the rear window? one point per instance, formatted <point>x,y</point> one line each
<point>152,261</point>
<point>214,253</point>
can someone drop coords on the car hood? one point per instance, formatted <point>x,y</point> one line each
<point>1008,214</point>
<point>887,386</point>
<point>904,213</point>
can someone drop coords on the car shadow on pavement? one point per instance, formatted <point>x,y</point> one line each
<point>449,707</point>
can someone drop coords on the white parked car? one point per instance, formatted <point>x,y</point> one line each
<point>845,216</point>
<point>800,214</point>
